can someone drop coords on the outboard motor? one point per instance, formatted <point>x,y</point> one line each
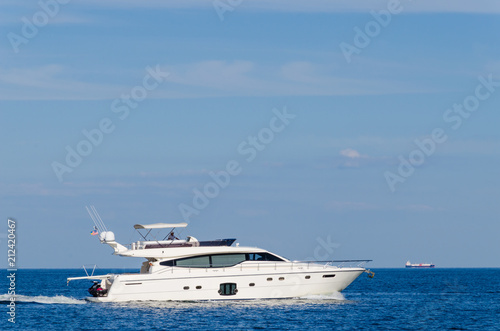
<point>97,291</point>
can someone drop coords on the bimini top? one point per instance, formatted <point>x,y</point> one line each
<point>160,225</point>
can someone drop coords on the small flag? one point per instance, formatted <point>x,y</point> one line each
<point>94,232</point>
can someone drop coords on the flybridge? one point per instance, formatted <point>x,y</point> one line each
<point>149,243</point>
<point>160,225</point>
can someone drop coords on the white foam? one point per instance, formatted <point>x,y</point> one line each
<point>333,296</point>
<point>58,299</point>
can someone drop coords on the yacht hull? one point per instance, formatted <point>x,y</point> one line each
<point>207,284</point>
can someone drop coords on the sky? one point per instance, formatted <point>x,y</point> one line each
<point>318,130</point>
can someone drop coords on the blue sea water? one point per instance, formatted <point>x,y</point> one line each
<point>396,299</point>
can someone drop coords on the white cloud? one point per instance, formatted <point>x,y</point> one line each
<point>350,153</point>
<point>351,158</point>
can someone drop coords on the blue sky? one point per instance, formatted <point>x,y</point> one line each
<point>198,87</point>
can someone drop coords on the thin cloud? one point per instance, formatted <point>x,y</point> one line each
<point>350,205</point>
<point>363,206</point>
<point>211,78</point>
<point>245,78</point>
<point>50,82</point>
<point>419,208</point>
<point>312,6</point>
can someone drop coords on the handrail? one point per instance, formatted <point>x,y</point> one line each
<point>276,265</point>
<point>336,261</point>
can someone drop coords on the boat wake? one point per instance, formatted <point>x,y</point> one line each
<point>334,296</point>
<point>58,299</point>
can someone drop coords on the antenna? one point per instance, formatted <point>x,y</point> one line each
<point>93,219</point>
<point>99,218</point>
<point>99,224</point>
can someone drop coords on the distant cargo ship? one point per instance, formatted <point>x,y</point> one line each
<point>419,265</point>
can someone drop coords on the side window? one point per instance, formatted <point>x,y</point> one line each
<point>262,257</point>
<point>270,257</point>
<point>170,263</point>
<point>194,262</point>
<point>256,257</point>
<point>219,260</point>
<point>226,260</point>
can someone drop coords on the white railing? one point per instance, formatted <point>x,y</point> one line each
<point>271,265</point>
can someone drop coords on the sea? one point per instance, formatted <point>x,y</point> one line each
<point>395,299</point>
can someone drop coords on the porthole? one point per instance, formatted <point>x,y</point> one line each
<point>198,287</point>
<point>308,277</point>
<point>186,287</point>
<point>282,278</point>
<point>269,279</point>
<point>251,284</point>
<point>329,276</point>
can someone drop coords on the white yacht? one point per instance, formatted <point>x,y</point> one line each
<point>213,270</point>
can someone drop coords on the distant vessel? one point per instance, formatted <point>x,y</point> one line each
<point>419,265</point>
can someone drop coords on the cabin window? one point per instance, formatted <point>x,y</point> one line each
<point>282,278</point>
<point>186,287</point>
<point>226,260</point>
<point>251,284</point>
<point>195,262</point>
<point>308,277</point>
<point>262,257</point>
<point>219,260</point>
<point>198,287</point>
<point>269,279</point>
<point>170,263</point>
<point>228,289</point>
<point>329,276</point>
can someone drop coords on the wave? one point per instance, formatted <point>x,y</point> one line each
<point>58,299</point>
